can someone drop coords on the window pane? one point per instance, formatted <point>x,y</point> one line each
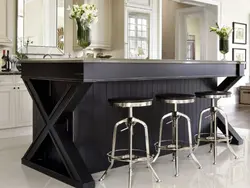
<point>132,20</point>
<point>144,34</point>
<point>131,27</point>
<point>144,44</point>
<point>144,28</point>
<point>139,34</point>
<point>139,21</point>
<point>144,22</point>
<point>132,33</point>
<point>139,28</point>
<point>132,44</point>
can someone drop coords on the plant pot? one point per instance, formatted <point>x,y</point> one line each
<point>83,36</point>
<point>224,47</point>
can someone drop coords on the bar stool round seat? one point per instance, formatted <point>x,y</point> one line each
<point>176,98</point>
<point>213,94</point>
<point>131,102</point>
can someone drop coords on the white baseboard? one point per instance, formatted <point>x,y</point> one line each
<point>16,132</point>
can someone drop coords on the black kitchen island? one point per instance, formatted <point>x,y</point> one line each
<point>73,122</point>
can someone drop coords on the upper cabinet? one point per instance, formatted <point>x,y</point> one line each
<point>140,3</point>
<point>7,22</point>
<point>101,31</point>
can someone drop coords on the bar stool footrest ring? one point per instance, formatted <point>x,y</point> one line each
<point>169,145</point>
<point>207,137</point>
<point>122,155</point>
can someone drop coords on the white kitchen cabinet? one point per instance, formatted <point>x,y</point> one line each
<point>16,103</point>
<point>101,32</point>
<point>7,22</point>
<point>7,107</point>
<point>23,107</point>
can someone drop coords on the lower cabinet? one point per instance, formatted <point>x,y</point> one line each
<point>7,107</point>
<point>15,103</point>
<point>23,107</point>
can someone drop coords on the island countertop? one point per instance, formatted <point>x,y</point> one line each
<point>101,70</point>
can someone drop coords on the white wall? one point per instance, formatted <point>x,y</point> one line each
<point>236,11</point>
<point>193,28</point>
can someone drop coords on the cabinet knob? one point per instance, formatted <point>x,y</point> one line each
<point>18,88</point>
<point>14,88</point>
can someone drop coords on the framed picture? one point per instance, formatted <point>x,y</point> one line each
<point>239,54</point>
<point>239,33</point>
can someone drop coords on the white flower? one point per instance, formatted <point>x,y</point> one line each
<point>86,13</point>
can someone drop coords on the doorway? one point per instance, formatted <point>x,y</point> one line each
<point>185,31</point>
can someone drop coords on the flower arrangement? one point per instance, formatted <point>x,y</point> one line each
<point>85,14</point>
<point>223,32</point>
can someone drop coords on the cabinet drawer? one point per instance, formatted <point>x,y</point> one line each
<point>7,80</point>
<point>19,80</point>
<point>244,96</point>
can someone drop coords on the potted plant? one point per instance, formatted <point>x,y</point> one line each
<point>84,15</point>
<point>223,34</point>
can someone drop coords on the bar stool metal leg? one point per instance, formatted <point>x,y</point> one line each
<point>199,126</point>
<point>215,136</point>
<point>175,121</point>
<point>113,148</point>
<point>173,135</point>
<point>130,154</point>
<point>160,136</point>
<point>190,139</point>
<point>211,133</point>
<point>227,132</point>
<point>147,148</point>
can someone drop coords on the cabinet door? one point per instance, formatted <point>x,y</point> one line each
<point>23,107</point>
<point>7,112</point>
<point>5,6</point>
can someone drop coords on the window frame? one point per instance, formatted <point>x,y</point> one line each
<point>133,10</point>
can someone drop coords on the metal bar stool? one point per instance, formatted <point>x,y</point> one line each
<point>213,137</point>
<point>175,144</point>
<point>130,155</point>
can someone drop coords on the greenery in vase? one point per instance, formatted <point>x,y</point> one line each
<point>25,44</point>
<point>223,32</point>
<point>84,14</point>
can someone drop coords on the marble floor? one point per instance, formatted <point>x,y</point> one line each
<point>228,173</point>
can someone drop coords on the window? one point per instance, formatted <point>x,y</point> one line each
<point>138,36</point>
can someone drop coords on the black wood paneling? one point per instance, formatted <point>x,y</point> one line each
<point>95,118</point>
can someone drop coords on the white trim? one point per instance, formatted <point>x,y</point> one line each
<point>200,2</point>
<point>16,132</point>
<point>138,5</point>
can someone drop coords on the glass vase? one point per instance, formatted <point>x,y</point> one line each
<point>224,47</point>
<point>83,37</point>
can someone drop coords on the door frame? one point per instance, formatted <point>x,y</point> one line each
<point>180,21</point>
<point>181,31</point>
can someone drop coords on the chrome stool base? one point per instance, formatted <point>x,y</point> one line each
<point>175,144</point>
<point>213,137</point>
<point>130,155</point>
